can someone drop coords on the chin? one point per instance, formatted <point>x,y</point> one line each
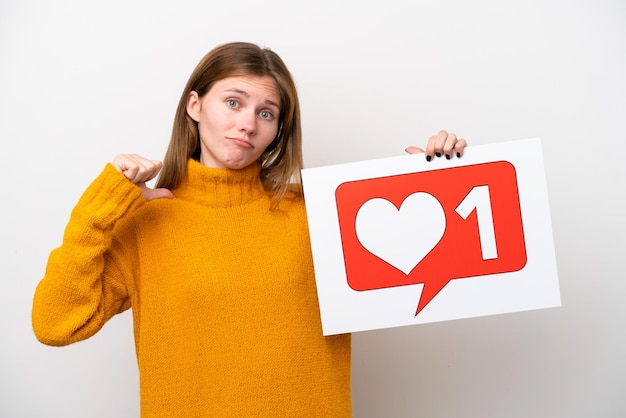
<point>237,165</point>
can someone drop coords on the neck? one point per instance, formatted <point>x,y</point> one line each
<point>219,186</point>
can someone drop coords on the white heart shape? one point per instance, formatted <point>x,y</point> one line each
<point>401,237</point>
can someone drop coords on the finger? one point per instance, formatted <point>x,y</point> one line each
<point>440,141</point>
<point>448,145</point>
<point>459,147</point>
<point>151,169</point>
<point>127,165</point>
<point>443,143</point>
<point>430,147</point>
<point>413,150</point>
<point>436,144</point>
<point>131,171</point>
<point>142,169</point>
<point>136,168</point>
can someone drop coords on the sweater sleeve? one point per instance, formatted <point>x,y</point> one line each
<point>83,285</point>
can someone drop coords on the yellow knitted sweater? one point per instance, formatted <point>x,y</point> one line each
<point>222,291</point>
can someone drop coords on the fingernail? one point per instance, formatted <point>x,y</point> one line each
<point>438,154</point>
<point>458,155</point>
<point>428,158</point>
<point>447,156</point>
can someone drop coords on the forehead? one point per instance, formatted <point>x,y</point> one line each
<point>262,88</point>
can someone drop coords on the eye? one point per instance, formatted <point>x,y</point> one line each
<point>266,114</point>
<point>232,103</point>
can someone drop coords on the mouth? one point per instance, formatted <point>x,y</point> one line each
<point>244,143</point>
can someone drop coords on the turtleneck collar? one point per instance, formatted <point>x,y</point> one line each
<point>220,187</point>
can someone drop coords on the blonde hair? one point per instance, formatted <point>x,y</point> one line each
<point>281,161</point>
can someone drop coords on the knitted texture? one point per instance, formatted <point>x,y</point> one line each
<point>222,291</point>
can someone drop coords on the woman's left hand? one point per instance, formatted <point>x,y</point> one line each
<point>443,144</point>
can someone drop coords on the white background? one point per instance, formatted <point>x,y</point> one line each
<point>82,81</point>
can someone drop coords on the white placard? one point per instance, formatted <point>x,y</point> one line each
<point>401,241</point>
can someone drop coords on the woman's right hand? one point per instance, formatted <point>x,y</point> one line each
<point>139,170</point>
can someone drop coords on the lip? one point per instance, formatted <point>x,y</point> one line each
<point>241,142</point>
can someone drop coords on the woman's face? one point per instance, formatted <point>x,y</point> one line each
<point>237,119</point>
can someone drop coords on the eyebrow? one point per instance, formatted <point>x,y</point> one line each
<point>245,93</point>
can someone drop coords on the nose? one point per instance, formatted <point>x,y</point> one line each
<point>247,122</point>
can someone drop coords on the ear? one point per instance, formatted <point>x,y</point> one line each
<point>193,106</point>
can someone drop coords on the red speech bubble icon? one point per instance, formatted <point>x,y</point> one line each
<point>431,227</point>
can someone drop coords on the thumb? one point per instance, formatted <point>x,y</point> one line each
<point>414,150</point>
<point>151,194</point>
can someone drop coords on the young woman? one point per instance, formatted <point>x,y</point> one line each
<point>215,261</point>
